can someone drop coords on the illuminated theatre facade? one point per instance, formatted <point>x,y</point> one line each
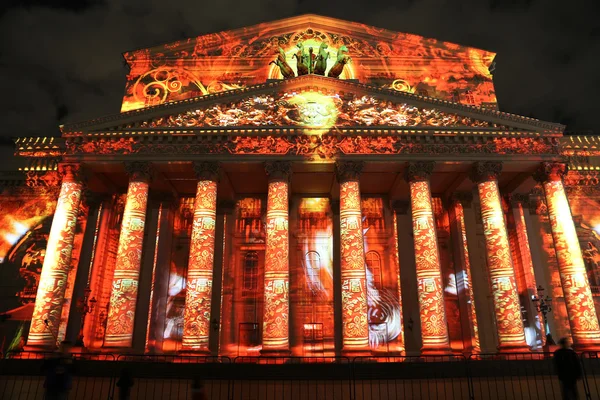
<point>311,187</point>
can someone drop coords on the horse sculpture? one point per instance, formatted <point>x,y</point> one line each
<point>341,61</point>
<point>284,67</point>
<point>321,63</point>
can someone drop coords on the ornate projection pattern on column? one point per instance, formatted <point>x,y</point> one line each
<point>397,267</point>
<point>276,312</point>
<point>57,262</point>
<point>467,279</point>
<point>431,298</point>
<point>354,290</point>
<point>196,320</point>
<point>502,275</point>
<point>573,276</point>
<point>119,328</point>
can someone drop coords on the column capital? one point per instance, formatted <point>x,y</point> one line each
<point>484,171</point>
<point>464,198</point>
<point>278,170</point>
<point>550,171</point>
<point>70,172</point>
<point>206,170</point>
<point>401,207</point>
<point>138,170</point>
<point>348,170</point>
<point>419,170</point>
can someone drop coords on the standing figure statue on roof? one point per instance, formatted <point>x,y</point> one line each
<point>321,60</point>
<point>284,67</point>
<point>301,59</point>
<point>342,60</point>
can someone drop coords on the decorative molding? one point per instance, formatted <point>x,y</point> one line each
<point>348,170</point>
<point>138,170</point>
<point>206,170</point>
<point>419,170</point>
<point>278,170</point>
<point>550,171</point>
<point>484,171</point>
<point>49,179</point>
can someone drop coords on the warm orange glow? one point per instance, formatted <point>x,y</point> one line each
<point>354,283</point>
<point>46,317</point>
<point>196,321</point>
<point>396,258</point>
<point>123,298</point>
<point>434,329</point>
<point>276,289</point>
<point>509,324</point>
<point>578,296</point>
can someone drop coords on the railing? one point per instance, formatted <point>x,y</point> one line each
<point>455,377</point>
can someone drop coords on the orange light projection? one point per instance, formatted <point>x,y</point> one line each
<point>459,213</point>
<point>511,335</point>
<point>196,320</point>
<point>123,298</point>
<point>434,328</point>
<point>354,282</point>
<point>573,276</point>
<point>46,318</point>
<point>276,289</point>
<point>397,267</point>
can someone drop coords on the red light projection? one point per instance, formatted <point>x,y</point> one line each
<point>121,314</point>
<point>196,319</point>
<point>315,110</point>
<point>509,324</point>
<point>578,296</point>
<point>46,319</point>
<point>276,286</point>
<point>355,330</point>
<point>434,329</point>
<point>302,45</point>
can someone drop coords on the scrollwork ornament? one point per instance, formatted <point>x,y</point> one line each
<point>207,170</point>
<point>550,171</point>
<point>419,171</point>
<point>484,171</point>
<point>278,170</point>
<point>348,170</point>
<point>138,170</point>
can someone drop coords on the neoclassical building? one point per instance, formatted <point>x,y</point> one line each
<point>311,187</point>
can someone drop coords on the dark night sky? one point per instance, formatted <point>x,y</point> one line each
<point>61,60</point>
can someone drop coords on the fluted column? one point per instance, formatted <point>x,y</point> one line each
<point>275,337</point>
<point>434,327</point>
<point>45,320</point>
<point>507,309</point>
<point>355,324</point>
<point>576,288</point>
<point>196,318</point>
<point>123,297</point>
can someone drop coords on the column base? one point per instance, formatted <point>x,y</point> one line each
<point>194,352</point>
<point>275,353</point>
<point>440,351</point>
<point>582,347</point>
<point>507,349</point>
<point>351,353</point>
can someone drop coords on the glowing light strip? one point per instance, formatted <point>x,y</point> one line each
<point>397,265</point>
<point>434,328</point>
<point>47,312</point>
<point>150,308</point>
<point>196,319</point>
<point>354,282</point>
<point>123,298</point>
<point>276,290</point>
<point>511,335</point>
<point>573,276</point>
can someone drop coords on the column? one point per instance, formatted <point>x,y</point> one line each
<point>275,336</point>
<point>355,325</point>
<point>434,327</point>
<point>574,281</point>
<point>123,297</point>
<point>464,279</point>
<point>196,318</point>
<point>507,309</point>
<point>45,320</point>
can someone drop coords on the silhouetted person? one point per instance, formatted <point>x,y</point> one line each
<point>198,390</point>
<point>58,371</point>
<point>125,383</point>
<point>568,369</point>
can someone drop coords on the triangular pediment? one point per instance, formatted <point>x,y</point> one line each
<point>312,103</point>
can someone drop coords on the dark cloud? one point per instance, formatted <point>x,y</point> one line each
<point>61,60</point>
